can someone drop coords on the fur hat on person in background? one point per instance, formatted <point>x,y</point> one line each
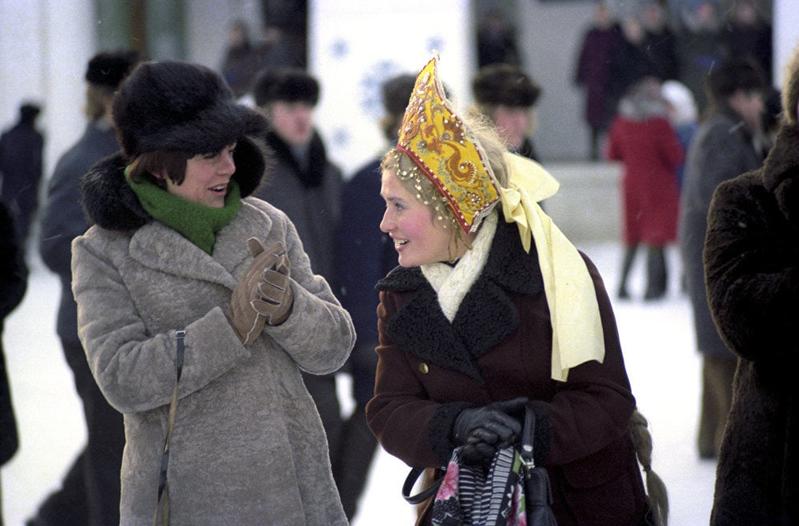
<point>285,85</point>
<point>109,68</point>
<point>188,108</point>
<point>790,90</point>
<point>396,92</point>
<point>730,76</point>
<point>506,85</point>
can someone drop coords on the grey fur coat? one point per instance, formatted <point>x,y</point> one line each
<point>248,447</point>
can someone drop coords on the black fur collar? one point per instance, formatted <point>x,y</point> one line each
<point>486,316</point>
<point>109,202</point>
<point>781,172</point>
<point>317,158</point>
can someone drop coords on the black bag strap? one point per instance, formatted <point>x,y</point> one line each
<point>162,503</point>
<point>425,494</point>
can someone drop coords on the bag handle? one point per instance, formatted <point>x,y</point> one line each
<point>163,488</point>
<point>423,495</point>
<point>528,436</point>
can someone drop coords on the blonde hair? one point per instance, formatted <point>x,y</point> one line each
<point>790,89</point>
<point>656,492</point>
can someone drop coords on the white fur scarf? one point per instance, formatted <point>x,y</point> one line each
<point>452,283</point>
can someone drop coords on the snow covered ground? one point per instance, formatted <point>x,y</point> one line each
<point>658,343</point>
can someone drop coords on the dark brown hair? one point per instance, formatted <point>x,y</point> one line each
<point>146,165</point>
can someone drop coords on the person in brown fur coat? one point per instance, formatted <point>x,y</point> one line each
<point>752,272</point>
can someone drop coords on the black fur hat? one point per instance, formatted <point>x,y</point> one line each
<point>506,85</point>
<point>396,93</point>
<point>109,68</point>
<point>177,106</point>
<point>730,76</point>
<point>285,85</point>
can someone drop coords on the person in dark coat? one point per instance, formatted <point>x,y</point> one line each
<point>472,329</point>
<point>642,138</point>
<point>629,63</point>
<point>660,43</point>
<point>722,148</point>
<point>592,73</point>
<point>242,59</point>
<point>13,283</point>
<point>747,34</point>
<point>496,39</point>
<point>89,493</point>
<point>363,257</point>
<point>752,269</point>
<point>699,48</point>
<point>307,187</point>
<point>21,169</point>
<point>507,96</point>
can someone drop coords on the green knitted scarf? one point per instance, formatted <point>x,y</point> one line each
<point>197,223</point>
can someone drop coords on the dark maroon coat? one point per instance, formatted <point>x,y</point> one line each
<point>651,153</point>
<point>499,347</point>
<point>593,73</point>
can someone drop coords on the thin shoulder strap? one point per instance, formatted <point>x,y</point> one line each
<point>162,503</point>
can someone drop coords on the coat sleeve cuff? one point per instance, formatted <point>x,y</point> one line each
<point>440,430</point>
<point>543,431</point>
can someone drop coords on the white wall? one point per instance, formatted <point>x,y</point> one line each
<point>207,23</point>
<point>356,44</point>
<point>786,34</point>
<point>550,35</point>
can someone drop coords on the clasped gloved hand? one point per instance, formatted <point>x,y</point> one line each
<point>275,297</point>
<point>264,294</point>
<point>483,430</point>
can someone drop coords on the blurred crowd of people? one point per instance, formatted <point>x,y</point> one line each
<point>680,42</point>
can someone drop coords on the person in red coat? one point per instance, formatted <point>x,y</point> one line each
<point>642,138</point>
<point>492,310</point>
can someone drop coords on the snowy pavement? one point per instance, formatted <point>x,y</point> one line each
<point>658,344</point>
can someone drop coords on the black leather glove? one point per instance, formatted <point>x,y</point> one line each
<point>485,429</point>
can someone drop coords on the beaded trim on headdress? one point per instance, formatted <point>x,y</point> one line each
<point>444,149</point>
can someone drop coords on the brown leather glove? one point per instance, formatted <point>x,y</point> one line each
<point>246,319</point>
<point>275,297</point>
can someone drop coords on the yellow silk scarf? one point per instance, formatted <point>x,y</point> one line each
<point>577,334</point>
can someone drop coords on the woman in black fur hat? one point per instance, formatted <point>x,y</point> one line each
<point>197,308</point>
<point>752,273</point>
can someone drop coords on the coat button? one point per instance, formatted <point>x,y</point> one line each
<point>423,368</point>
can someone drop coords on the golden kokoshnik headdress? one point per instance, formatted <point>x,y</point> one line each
<point>442,147</point>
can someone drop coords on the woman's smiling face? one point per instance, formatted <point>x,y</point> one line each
<point>418,238</point>
<point>207,178</point>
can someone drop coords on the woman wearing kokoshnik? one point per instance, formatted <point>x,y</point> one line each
<point>492,309</point>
